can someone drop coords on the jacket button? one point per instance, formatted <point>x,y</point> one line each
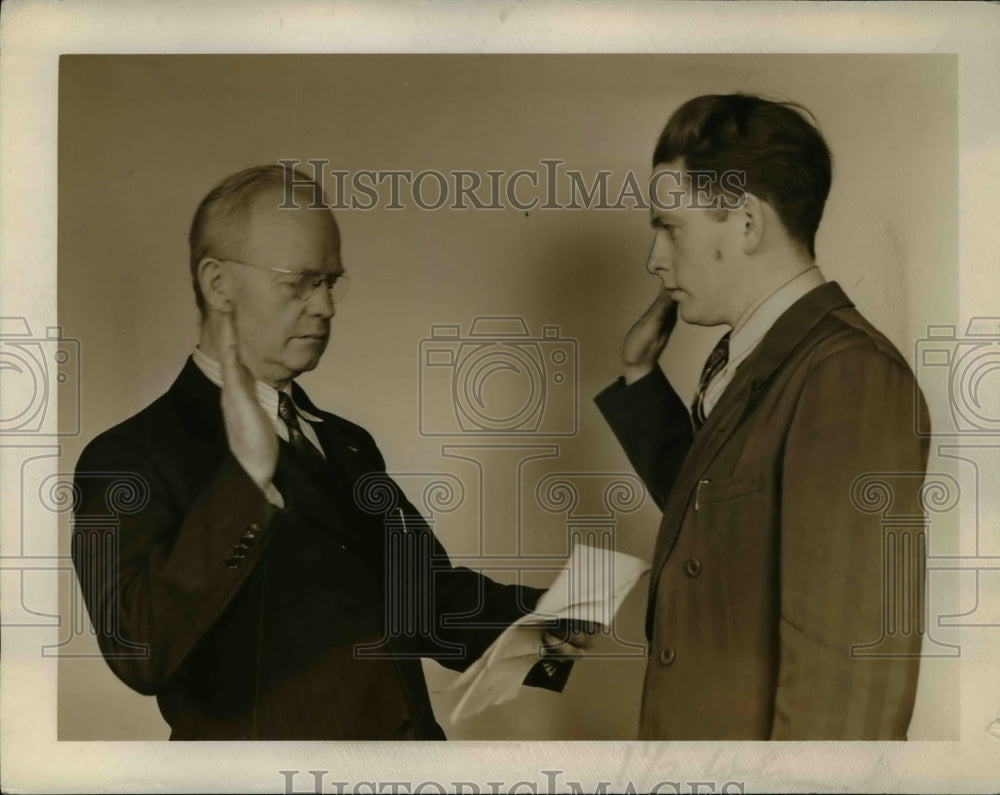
<point>667,655</point>
<point>404,726</point>
<point>692,566</point>
<point>233,563</point>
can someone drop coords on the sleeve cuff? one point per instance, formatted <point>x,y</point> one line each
<point>549,674</point>
<point>650,385</point>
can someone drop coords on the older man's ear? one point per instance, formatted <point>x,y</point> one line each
<point>215,284</point>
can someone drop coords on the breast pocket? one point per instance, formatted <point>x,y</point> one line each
<point>709,491</point>
<point>736,511</point>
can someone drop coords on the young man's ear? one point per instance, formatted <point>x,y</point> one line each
<point>216,284</point>
<point>752,220</point>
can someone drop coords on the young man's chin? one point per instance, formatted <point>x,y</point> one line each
<point>688,313</point>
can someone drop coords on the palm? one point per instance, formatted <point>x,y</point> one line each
<point>251,435</point>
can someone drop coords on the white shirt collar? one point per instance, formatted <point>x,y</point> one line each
<point>753,326</point>
<point>267,395</point>
<point>760,316</point>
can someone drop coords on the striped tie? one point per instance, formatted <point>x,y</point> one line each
<point>717,359</point>
<point>298,440</point>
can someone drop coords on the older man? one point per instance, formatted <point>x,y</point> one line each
<point>255,587</point>
<point>779,607</point>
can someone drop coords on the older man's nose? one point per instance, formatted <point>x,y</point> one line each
<point>321,303</point>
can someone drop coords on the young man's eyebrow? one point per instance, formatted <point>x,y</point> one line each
<point>662,219</point>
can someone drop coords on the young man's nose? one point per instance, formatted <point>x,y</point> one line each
<point>660,256</point>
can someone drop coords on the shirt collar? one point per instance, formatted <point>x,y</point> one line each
<point>759,317</point>
<point>267,395</point>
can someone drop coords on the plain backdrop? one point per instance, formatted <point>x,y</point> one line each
<point>143,138</point>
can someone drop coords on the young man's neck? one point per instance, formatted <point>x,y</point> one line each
<point>771,278</point>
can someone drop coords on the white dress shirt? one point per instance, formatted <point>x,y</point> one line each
<point>267,397</point>
<point>753,326</point>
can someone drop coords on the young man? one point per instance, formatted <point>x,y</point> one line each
<point>768,580</point>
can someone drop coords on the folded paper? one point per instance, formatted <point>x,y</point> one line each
<point>590,588</point>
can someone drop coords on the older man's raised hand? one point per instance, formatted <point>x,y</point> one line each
<point>251,435</point>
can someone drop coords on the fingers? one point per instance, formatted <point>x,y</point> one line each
<point>227,342</point>
<point>663,299</point>
<point>227,337</point>
<point>570,640</point>
<point>663,307</point>
<point>558,648</point>
<point>233,369</point>
<point>662,313</point>
<point>563,649</point>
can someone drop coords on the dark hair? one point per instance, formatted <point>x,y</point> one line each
<point>223,212</point>
<point>783,157</point>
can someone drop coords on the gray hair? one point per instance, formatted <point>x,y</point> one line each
<point>223,212</point>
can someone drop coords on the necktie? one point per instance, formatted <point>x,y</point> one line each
<point>717,359</point>
<point>298,440</point>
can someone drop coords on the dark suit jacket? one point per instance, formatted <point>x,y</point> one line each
<point>773,559</point>
<point>251,622</point>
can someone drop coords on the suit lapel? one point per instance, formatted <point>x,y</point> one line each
<point>196,400</point>
<point>751,377</point>
<point>342,452</point>
<point>718,427</point>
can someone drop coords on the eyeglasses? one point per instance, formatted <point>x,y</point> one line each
<point>306,283</point>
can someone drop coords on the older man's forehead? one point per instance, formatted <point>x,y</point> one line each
<point>268,207</point>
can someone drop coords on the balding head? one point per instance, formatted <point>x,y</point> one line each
<point>270,267</point>
<point>221,222</point>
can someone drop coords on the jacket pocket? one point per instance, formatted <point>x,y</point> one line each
<point>709,491</point>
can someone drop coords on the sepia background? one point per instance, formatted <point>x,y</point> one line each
<point>143,138</point>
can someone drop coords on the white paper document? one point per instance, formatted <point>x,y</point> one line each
<point>590,587</point>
